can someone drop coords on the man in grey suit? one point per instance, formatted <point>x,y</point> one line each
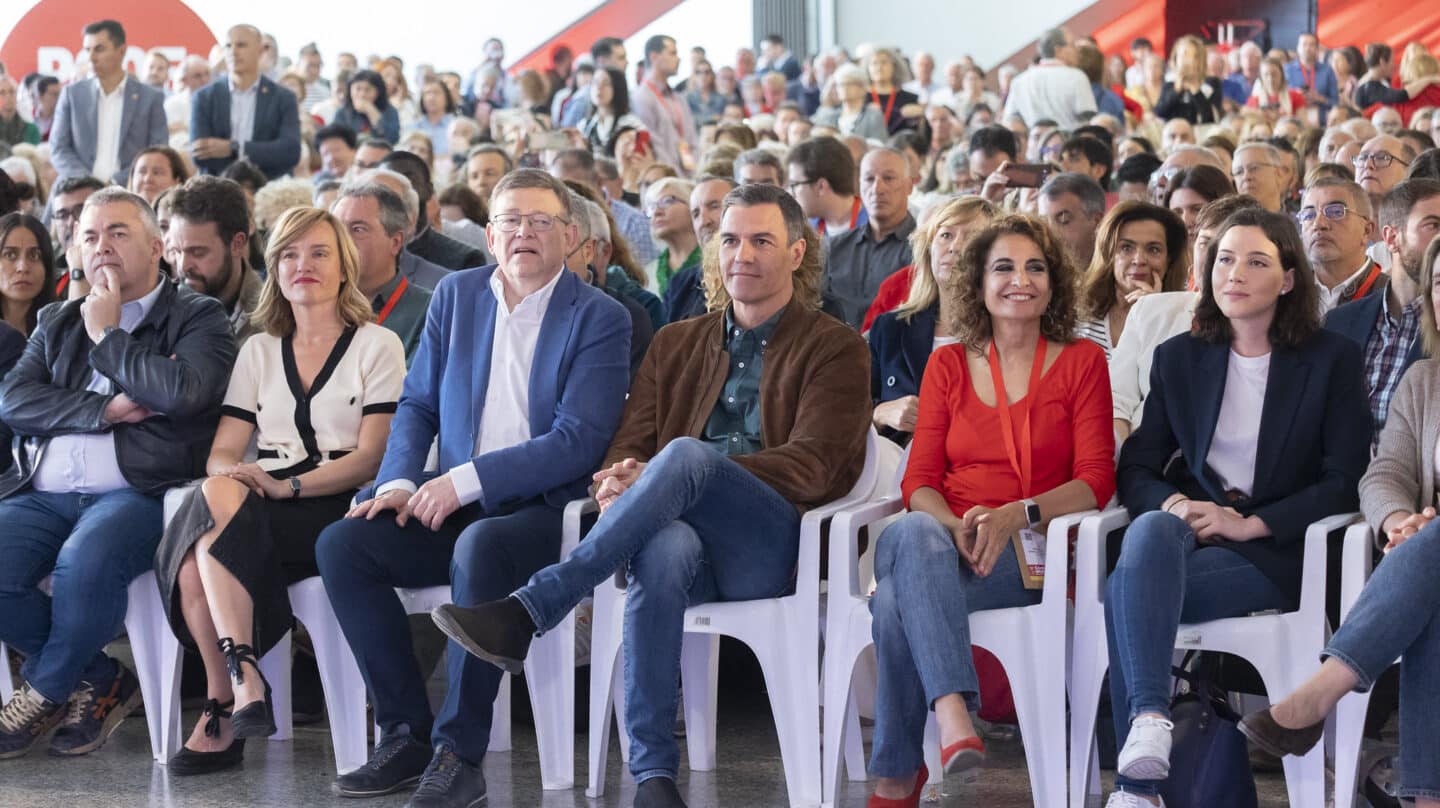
<point>102,123</point>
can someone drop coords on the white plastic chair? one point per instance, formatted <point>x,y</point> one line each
<point>1284,648</point>
<point>1025,640</point>
<point>1357,562</point>
<point>784,634</point>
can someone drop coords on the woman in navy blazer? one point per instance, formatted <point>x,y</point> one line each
<point>1261,404</point>
<point>901,340</point>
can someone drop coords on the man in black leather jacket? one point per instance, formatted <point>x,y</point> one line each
<point>115,400</point>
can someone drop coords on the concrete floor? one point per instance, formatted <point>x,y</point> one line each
<point>298,773</point>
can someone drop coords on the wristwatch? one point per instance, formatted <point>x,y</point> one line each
<point>295,487</point>
<point>1032,511</point>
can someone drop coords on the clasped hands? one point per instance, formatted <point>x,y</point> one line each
<point>982,533</point>
<point>1212,521</point>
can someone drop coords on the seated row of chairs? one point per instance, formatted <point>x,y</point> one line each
<point>785,634</point>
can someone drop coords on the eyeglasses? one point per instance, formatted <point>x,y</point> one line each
<point>1240,171</point>
<point>661,204</point>
<point>539,222</point>
<point>1334,211</point>
<point>68,214</point>
<point>1378,159</point>
<point>793,184</point>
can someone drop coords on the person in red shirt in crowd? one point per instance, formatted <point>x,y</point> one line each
<point>995,452</point>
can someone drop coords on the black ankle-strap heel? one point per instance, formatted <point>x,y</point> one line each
<point>189,762</point>
<point>256,719</point>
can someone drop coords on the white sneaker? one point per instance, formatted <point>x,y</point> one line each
<point>1124,799</point>
<point>1146,755</point>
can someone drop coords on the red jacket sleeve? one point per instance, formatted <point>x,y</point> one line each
<point>893,291</point>
<point>1092,423</point>
<point>941,383</point>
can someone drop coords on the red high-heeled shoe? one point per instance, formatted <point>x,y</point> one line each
<point>911,801</point>
<point>962,757</point>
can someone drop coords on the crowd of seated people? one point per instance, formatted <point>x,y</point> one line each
<point>386,336</point>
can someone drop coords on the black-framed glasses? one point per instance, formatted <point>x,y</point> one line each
<point>1378,159</point>
<point>1334,211</point>
<point>793,184</point>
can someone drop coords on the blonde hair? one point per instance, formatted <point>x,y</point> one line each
<point>278,196</point>
<point>1195,64</point>
<point>1422,65</point>
<point>924,288</point>
<point>272,312</point>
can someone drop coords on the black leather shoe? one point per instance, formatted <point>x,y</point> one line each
<point>498,632</point>
<point>396,765</point>
<point>449,782</point>
<point>188,762</point>
<point>658,792</point>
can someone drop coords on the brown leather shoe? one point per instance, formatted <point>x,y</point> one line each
<point>1261,729</point>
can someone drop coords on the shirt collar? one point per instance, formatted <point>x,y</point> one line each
<point>377,301</point>
<point>119,90</point>
<point>533,305</point>
<point>135,312</point>
<point>762,332</point>
<point>234,90</point>
<point>900,233</point>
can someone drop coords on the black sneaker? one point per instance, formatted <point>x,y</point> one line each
<point>396,765</point>
<point>24,720</point>
<point>449,782</point>
<point>498,632</point>
<point>96,709</point>
<point>658,792</point>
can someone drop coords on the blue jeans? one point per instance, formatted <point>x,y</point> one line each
<point>1165,577</point>
<point>1396,616</point>
<point>482,558</point>
<point>93,546</point>
<point>695,528</point>
<point>924,596</point>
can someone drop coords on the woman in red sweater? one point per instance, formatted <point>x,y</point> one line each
<point>1013,430</point>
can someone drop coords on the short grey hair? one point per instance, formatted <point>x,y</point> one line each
<point>759,157</point>
<point>1052,41</point>
<point>580,215</point>
<point>113,194</point>
<point>411,198</point>
<point>599,222</point>
<point>536,179</point>
<point>1083,186</point>
<point>394,216</point>
<point>1270,151</point>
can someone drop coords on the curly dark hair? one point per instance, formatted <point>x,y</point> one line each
<point>970,320</point>
<point>1297,313</point>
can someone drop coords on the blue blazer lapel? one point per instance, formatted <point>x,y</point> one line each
<point>220,112</point>
<point>480,338</point>
<point>919,338</point>
<point>1211,368</point>
<point>1284,395</point>
<point>555,332</point>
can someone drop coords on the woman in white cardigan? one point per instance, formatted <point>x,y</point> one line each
<point>1157,317</point>
<point>1396,614</point>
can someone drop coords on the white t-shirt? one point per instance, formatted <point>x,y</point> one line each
<point>1051,90</point>
<point>1237,431</point>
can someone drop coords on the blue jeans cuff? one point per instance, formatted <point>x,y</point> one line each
<point>652,774</point>
<point>1147,788</point>
<point>1364,681</point>
<point>524,598</point>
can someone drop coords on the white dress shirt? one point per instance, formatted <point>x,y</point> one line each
<point>1053,90</point>
<point>86,463</point>
<point>1152,320</point>
<point>242,114</point>
<point>505,418</point>
<point>109,115</point>
<point>1330,298</point>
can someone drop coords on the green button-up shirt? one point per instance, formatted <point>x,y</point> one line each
<point>734,424</point>
<point>407,318</point>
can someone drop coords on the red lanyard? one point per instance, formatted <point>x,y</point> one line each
<point>60,287</point>
<point>889,105</point>
<point>854,217</point>
<point>1020,451</point>
<point>1367,283</point>
<point>390,304</point>
<point>677,115</point>
<point>1308,76</point>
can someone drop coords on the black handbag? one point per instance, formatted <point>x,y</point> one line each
<point>1209,757</point>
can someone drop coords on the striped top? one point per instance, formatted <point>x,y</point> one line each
<point>1098,332</point>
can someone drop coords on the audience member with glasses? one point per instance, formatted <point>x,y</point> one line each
<point>1337,223</point>
<point>1381,164</point>
<point>1256,171</point>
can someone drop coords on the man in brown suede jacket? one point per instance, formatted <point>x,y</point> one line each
<point>738,421</point>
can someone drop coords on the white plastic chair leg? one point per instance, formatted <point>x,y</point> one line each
<point>344,687</point>
<point>605,676</point>
<point>500,717</point>
<point>792,674</point>
<point>854,746</point>
<point>157,665</point>
<point>549,674</point>
<point>700,677</point>
<point>7,687</point>
<point>1091,661</point>
<point>1349,735</point>
<point>276,666</point>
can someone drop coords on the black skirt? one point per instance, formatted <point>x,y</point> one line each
<point>269,545</point>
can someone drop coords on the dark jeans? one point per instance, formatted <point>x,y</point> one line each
<point>93,546</point>
<point>695,528</point>
<point>482,558</point>
<point>1166,577</point>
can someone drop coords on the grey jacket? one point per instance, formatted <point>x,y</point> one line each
<point>73,137</point>
<point>1402,475</point>
<point>175,363</point>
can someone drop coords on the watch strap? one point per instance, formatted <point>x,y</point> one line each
<point>1032,511</point>
<point>295,487</point>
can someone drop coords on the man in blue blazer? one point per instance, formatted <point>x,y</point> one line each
<point>520,378</point>
<point>1386,324</point>
<point>245,116</point>
<point>101,123</point>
